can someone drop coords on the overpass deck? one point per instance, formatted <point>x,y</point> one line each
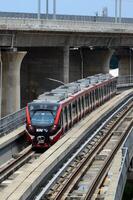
<point>60,25</point>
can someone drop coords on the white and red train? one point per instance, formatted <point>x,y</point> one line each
<point>55,112</point>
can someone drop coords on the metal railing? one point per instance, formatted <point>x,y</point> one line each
<point>127,154</point>
<point>63,17</point>
<point>12,121</point>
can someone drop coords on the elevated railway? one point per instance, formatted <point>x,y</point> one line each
<point>29,178</point>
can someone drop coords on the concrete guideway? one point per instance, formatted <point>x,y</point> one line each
<point>117,176</point>
<point>11,144</point>
<point>7,139</point>
<point>25,183</point>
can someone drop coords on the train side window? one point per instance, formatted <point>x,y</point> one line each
<point>91,98</point>
<point>86,100</point>
<point>96,94</point>
<point>79,105</point>
<point>69,112</point>
<point>82,100</point>
<point>65,115</point>
<point>74,109</point>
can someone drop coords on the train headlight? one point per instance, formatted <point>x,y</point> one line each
<point>53,129</point>
<point>31,129</point>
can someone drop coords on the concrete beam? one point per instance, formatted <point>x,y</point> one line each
<point>11,81</point>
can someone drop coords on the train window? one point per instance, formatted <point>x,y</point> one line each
<point>79,105</point>
<point>74,109</point>
<point>86,100</point>
<point>65,115</point>
<point>69,112</point>
<point>82,100</point>
<point>104,90</point>
<point>96,94</point>
<point>93,99</point>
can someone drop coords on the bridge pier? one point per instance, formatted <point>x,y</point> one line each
<point>96,61</point>
<point>66,64</point>
<point>11,63</point>
<point>125,64</point>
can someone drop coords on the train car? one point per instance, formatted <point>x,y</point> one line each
<point>55,112</point>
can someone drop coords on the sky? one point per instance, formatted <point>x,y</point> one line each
<point>75,7</point>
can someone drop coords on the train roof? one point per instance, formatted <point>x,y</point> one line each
<point>65,91</point>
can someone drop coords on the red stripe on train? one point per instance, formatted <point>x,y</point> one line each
<point>58,115</point>
<point>28,116</point>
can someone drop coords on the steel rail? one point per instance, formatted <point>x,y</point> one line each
<point>53,180</point>
<point>102,173</point>
<point>70,183</point>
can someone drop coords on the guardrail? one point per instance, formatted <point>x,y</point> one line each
<point>11,122</point>
<point>127,154</point>
<point>63,17</point>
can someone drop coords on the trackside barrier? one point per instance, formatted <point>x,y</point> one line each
<point>12,121</point>
<point>127,154</point>
<point>125,81</point>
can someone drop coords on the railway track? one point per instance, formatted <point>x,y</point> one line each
<point>86,169</point>
<point>9,170</point>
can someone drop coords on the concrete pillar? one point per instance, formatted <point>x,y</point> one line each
<point>66,65</point>
<point>125,62</point>
<point>75,65</point>
<point>96,61</point>
<point>0,83</point>
<point>11,81</point>
<point>38,66</point>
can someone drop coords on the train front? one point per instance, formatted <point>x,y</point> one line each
<point>42,124</point>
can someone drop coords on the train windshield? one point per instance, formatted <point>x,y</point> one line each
<point>42,115</point>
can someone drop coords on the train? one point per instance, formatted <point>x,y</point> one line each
<point>50,116</point>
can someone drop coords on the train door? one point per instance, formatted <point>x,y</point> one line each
<point>96,96</point>
<point>82,106</point>
<point>60,124</point>
<point>74,111</point>
<point>79,108</point>
<point>91,101</point>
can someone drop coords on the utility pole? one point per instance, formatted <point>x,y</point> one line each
<point>54,9</point>
<point>39,9</point>
<point>120,7</point>
<point>47,5</point>
<point>116,6</point>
